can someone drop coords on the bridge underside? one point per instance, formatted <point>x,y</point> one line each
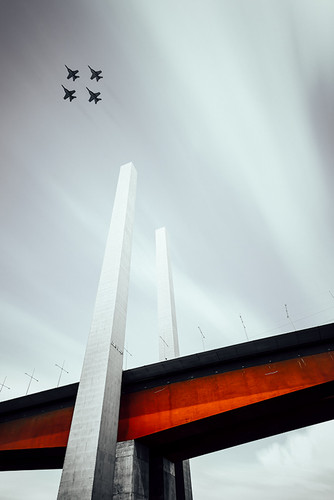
<point>255,421</point>
<point>192,405</point>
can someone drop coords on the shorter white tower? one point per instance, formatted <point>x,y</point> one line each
<point>168,338</point>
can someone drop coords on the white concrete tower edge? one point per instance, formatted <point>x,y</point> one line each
<point>90,455</point>
<point>168,336</point>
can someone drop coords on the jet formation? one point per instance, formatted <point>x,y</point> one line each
<point>69,94</point>
<point>95,74</point>
<point>72,73</point>
<point>94,96</point>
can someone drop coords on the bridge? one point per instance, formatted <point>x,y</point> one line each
<point>128,434</point>
<point>192,405</point>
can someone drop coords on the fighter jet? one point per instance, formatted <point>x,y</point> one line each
<point>94,96</point>
<point>95,74</point>
<point>72,73</point>
<point>69,94</point>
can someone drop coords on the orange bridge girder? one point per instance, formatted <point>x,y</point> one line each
<point>190,405</point>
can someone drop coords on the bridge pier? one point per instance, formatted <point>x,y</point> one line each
<point>143,474</point>
<point>131,479</point>
<point>183,480</point>
<point>162,478</point>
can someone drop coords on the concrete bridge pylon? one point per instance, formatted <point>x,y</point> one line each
<point>88,470</point>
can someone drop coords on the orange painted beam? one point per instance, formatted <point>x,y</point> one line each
<point>150,411</point>
<point>45,430</point>
<point>153,410</point>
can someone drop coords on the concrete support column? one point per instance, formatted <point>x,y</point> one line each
<point>88,470</point>
<point>162,478</point>
<point>183,480</point>
<point>131,479</point>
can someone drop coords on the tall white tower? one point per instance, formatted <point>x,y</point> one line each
<point>90,455</point>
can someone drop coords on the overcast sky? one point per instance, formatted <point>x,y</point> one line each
<point>226,108</point>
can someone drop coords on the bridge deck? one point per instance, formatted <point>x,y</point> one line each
<point>190,405</point>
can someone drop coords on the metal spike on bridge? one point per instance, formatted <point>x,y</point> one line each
<point>3,384</point>
<point>62,369</point>
<point>31,379</point>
